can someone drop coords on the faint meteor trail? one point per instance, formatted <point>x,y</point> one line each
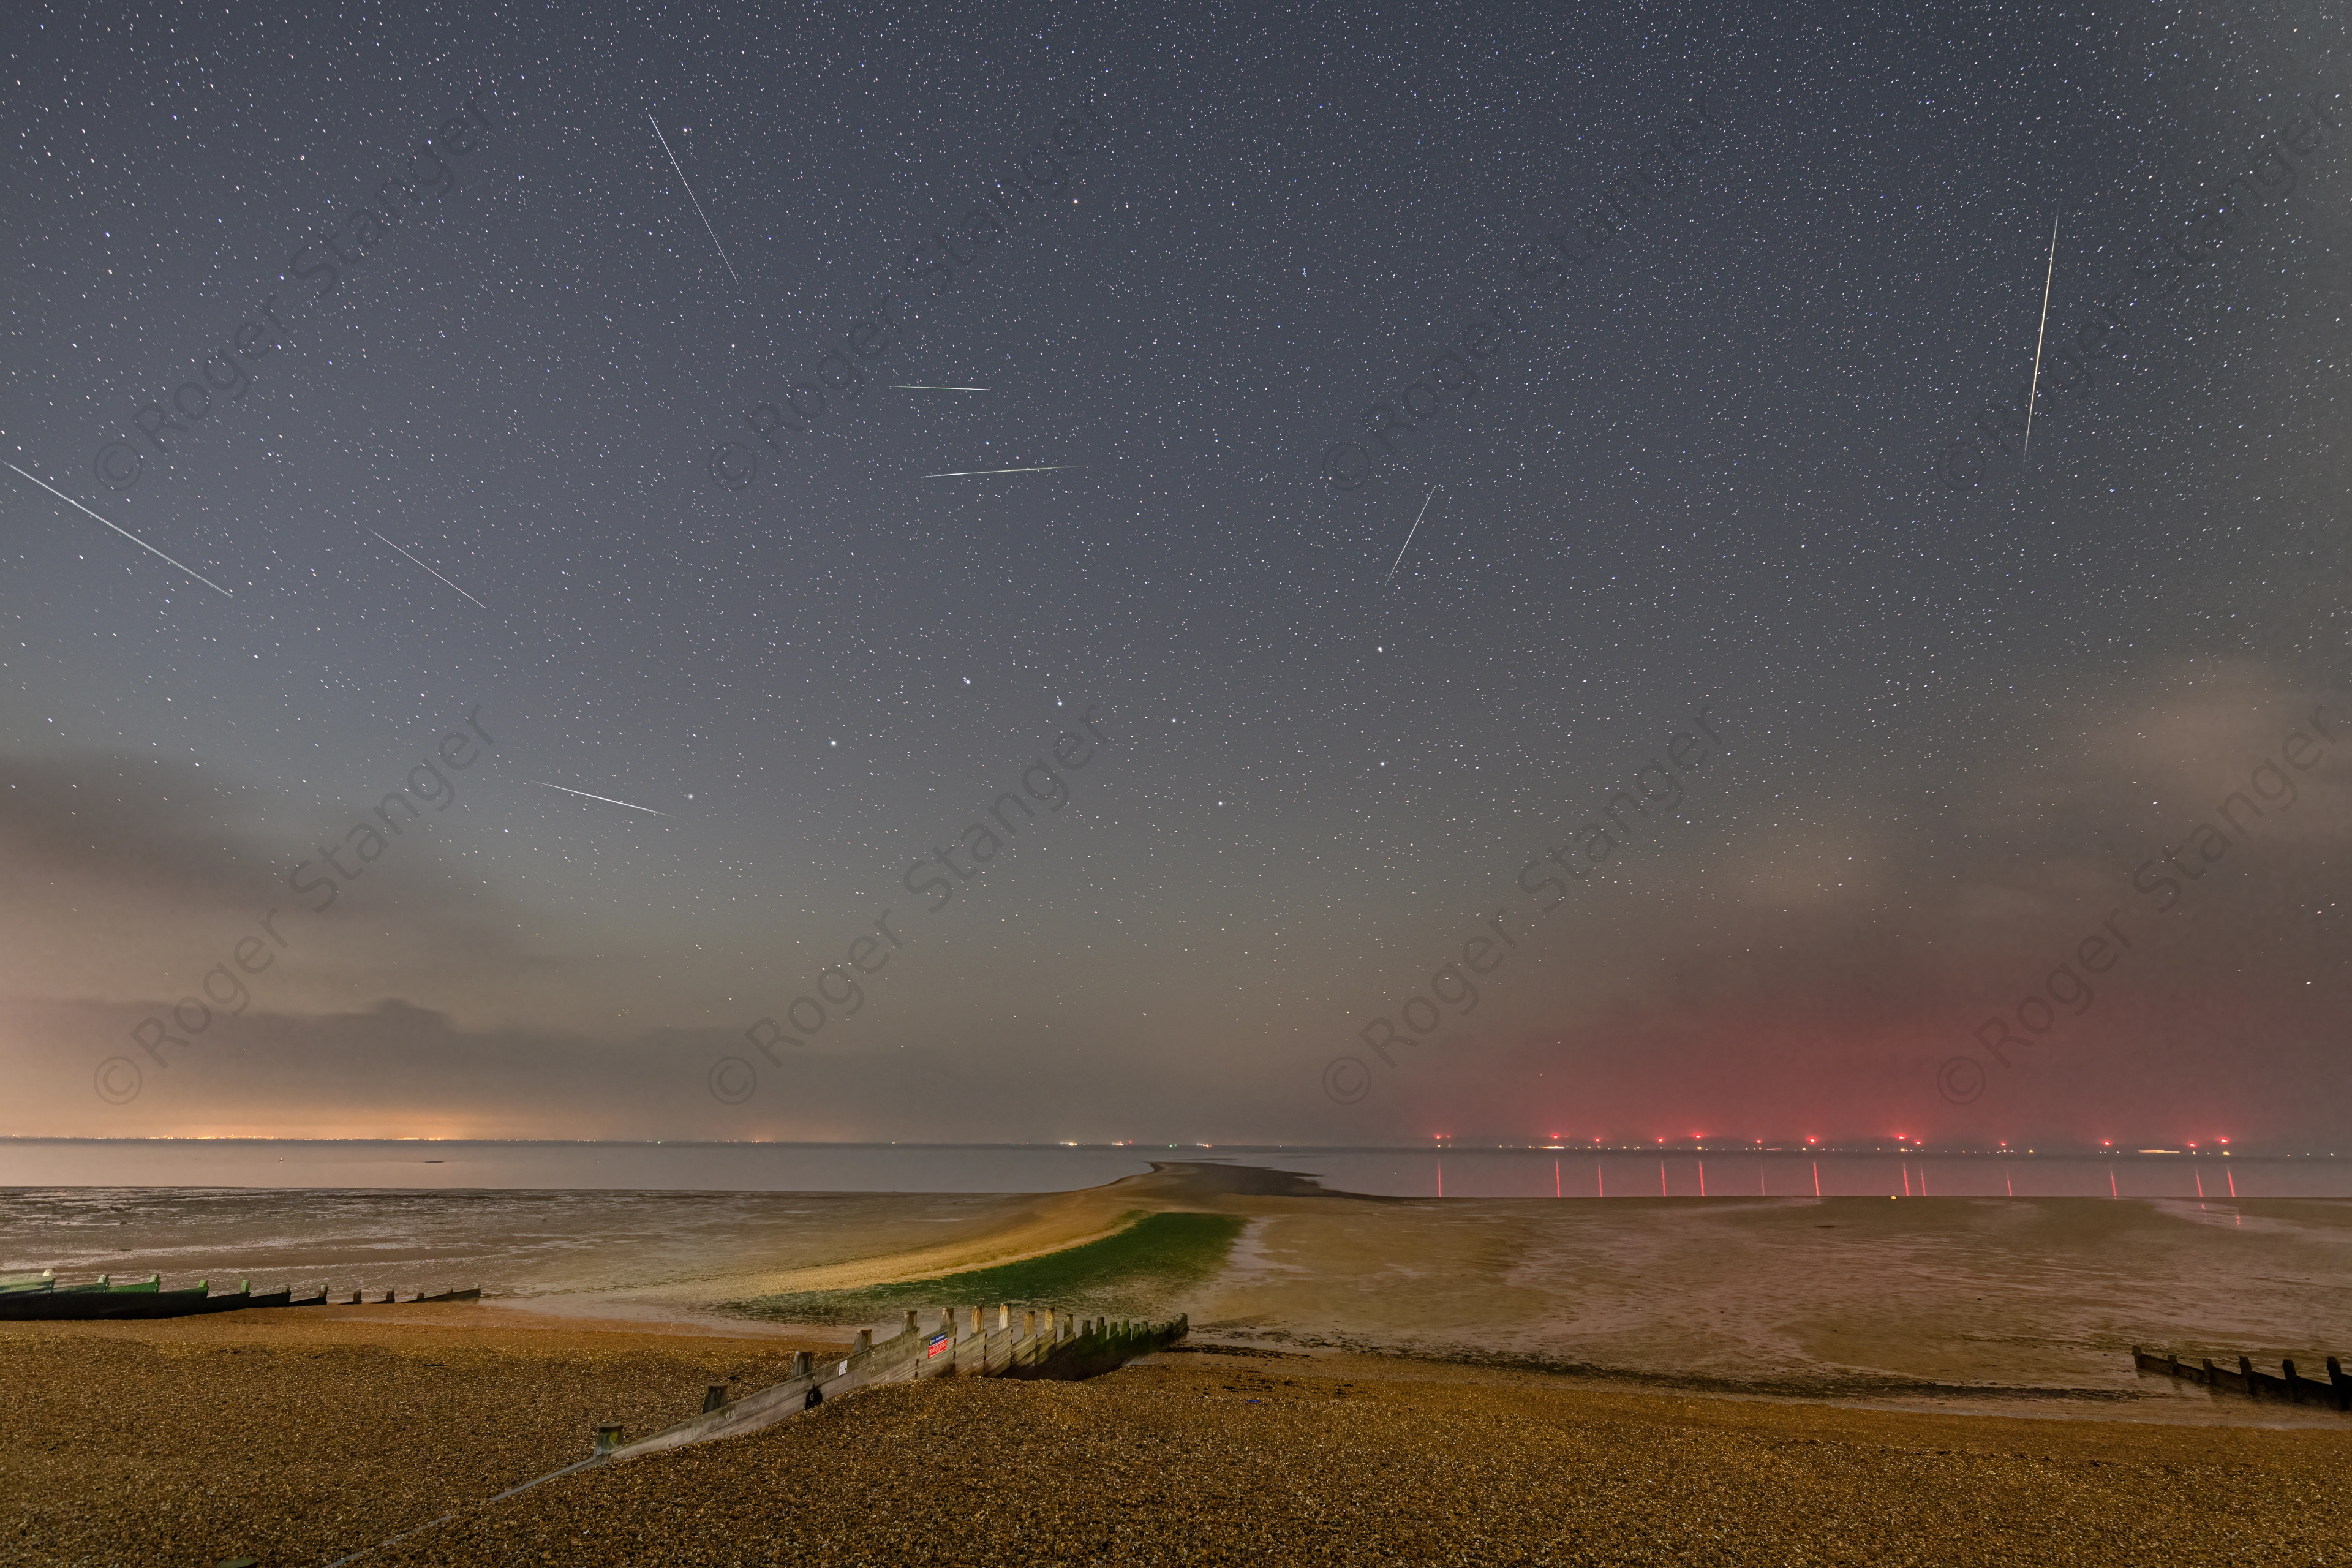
<point>697,205</point>
<point>1407,535</point>
<point>2047,275</point>
<point>901,386</point>
<point>607,799</point>
<point>973,473</point>
<point>471,597</point>
<point>127,534</point>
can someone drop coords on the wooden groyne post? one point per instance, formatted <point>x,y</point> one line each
<point>1002,1349</point>
<point>2288,1385</point>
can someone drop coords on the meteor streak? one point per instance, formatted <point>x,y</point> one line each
<point>901,387</point>
<point>469,597</point>
<point>971,473</point>
<point>608,800</point>
<point>698,205</point>
<point>1408,536</point>
<point>126,533</point>
<point>2051,272</point>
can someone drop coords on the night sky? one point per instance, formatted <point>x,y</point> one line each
<point>1756,738</point>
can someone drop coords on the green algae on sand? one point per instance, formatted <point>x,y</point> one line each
<point>1134,1269</point>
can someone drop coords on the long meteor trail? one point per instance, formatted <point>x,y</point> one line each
<point>697,205</point>
<point>1407,535</point>
<point>127,534</point>
<point>469,597</point>
<point>974,473</point>
<point>607,799</point>
<point>2047,275</point>
<point>902,386</point>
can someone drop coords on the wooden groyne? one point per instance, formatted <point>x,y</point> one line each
<point>964,1344</point>
<point>2336,1392</point>
<point>969,1343</point>
<point>45,1300</point>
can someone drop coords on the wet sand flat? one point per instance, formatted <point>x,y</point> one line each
<point>1840,1296</point>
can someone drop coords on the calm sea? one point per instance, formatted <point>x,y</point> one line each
<point>418,1166</point>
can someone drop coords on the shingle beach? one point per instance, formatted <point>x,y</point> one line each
<point>296,1443</point>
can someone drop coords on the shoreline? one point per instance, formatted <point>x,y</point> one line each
<point>1838,1303</point>
<point>2152,1401</point>
<point>2153,1404</point>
